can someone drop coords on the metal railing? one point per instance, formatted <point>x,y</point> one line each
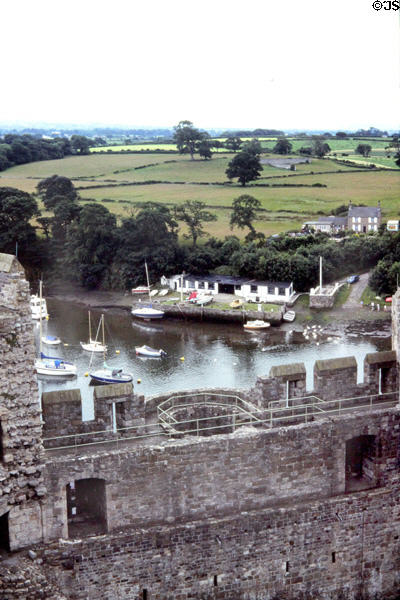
<point>243,413</point>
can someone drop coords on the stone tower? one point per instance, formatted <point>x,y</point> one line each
<point>21,482</point>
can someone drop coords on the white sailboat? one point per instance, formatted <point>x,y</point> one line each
<point>108,374</point>
<point>93,345</point>
<point>147,312</point>
<point>51,365</point>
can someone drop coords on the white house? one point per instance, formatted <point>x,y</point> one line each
<point>250,289</point>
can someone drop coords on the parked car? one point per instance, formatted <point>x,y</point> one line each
<point>353,278</point>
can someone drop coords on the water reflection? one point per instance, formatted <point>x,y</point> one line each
<point>198,354</point>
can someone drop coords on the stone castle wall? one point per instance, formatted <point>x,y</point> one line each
<point>21,481</point>
<point>284,509</point>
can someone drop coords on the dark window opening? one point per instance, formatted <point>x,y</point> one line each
<point>281,291</point>
<point>4,534</point>
<point>86,507</point>
<point>271,290</point>
<point>238,287</point>
<point>361,463</point>
<point>385,380</point>
<point>253,289</point>
<point>287,566</point>
<point>201,285</point>
<point>144,594</point>
<point>333,557</point>
<point>215,580</point>
<point>210,285</point>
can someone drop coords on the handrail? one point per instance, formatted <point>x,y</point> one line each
<point>271,417</point>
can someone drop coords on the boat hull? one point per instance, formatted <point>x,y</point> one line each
<point>93,346</point>
<point>106,376</point>
<point>58,368</point>
<point>147,313</point>
<point>256,325</point>
<point>149,352</point>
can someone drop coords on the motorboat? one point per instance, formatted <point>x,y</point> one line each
<point>150,352</point>
<point>93,345</point>
<point>236,303</point>
<point>38,307</point>
<point>203,300</point>
<point>163,292</point>
<point>51,340</point>
<point>108,374</point>
<point>51,365</point>
<point>256,325</point>
<point>147,312</point>
<point>153,293</point>
<point>289,316</point>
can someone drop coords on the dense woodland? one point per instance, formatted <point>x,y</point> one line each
<point>86,244</point>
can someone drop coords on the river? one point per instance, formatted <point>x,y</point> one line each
<point>199,355</point>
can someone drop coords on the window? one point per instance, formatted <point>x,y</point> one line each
<point>354,219</point>
<point>201,285</point>
<point>253,289</point>
<point>281,291</point>
<point>375,219</point>
<point>211,285</point>
<point>361,463</point>
<point>86,507</point>
<point>271,290</point>
<point>238,287</point>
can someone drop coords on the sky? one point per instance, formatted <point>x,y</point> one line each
<point>281,64</point>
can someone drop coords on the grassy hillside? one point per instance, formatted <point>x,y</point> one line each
<point>121,182</point>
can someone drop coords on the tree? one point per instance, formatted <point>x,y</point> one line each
<point>341,135</point>
<point>56,187</point>
<point>245,166</point>
<point>283,146</point>
<point>233,143</point>
<point>193,213</point>
<point>363,149</point>
<point>187,138</point>
<point>320,148</point>
<point>244,212</point>
<point>204,148</point>
<point>80,144</point>
<point>91,245</point>
<point>17,208</point>
<point>253,147</point>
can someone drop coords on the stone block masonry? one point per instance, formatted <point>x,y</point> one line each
<point>21,450</point>
<point>302,511</point>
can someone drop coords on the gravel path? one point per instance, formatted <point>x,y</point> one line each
<point>354,299</point>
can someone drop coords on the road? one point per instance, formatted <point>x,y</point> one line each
<point>354,299</point>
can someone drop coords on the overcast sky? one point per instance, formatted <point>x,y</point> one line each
<point>286,64</point>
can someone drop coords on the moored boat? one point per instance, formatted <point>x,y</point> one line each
<point>202,300</point>
<point>255,325</point>
<point>141,289</point>
<point>236,303</point>
<point>109,374</point>
<point>150,352</point>
<point>147,312</point>
<point>93,345</point>
<point>51,340</point>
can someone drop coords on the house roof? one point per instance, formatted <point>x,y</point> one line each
<point>230,280</point>
<point>364,211</point>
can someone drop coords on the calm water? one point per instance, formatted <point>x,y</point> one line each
<point>215,355</point>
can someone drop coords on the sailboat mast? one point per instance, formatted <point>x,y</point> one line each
<point>147,278</point>
<point>40,317</point>
<point>90,330</point>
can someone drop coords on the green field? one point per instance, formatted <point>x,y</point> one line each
<point>121,186</point>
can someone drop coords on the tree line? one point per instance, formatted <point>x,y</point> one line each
<point>86,245</point>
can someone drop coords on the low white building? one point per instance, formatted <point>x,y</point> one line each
<point>249,289</point>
